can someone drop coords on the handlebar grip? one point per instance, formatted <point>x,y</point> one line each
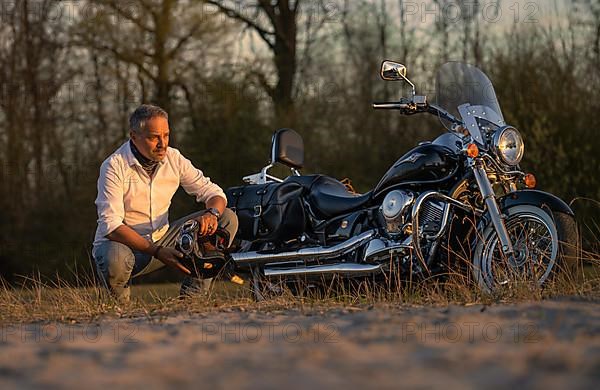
<point>390,106</point>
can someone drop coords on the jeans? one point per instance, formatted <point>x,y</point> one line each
<point>117,264</point>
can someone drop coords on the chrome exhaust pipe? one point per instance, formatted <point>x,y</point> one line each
<point>340,268</point>
<point>252,258</point>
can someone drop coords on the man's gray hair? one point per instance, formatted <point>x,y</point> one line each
<point>145,112</point>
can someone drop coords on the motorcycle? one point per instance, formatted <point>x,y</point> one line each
<point>459,199</point>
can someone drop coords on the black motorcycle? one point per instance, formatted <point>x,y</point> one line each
<point>460,199</point>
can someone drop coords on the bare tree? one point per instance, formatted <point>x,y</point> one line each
<point>277,25</point>
<point>30,80</point>
<point>158,39</point>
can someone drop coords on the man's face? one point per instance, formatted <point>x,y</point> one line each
<point>152,142</point>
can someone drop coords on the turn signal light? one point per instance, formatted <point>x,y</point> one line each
<point>530,181</point>
<point>472,150</point>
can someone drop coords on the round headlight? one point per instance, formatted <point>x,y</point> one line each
<point>509,145</point>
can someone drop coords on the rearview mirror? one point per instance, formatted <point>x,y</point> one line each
<point>393,71</point>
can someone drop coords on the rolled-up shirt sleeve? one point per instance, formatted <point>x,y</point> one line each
<point>195,183</point>
<point>109,203</point>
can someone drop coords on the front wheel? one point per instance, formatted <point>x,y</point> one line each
<point>543,242</point>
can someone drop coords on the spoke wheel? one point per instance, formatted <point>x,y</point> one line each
<point>535,241</point>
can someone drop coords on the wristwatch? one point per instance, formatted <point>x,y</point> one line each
<point>214,211</point>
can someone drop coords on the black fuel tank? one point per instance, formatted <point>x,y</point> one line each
<point>425,164</point>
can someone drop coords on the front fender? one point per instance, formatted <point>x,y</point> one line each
<point>535,198</point>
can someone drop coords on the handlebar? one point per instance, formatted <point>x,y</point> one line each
<point>391,106</point>
<point>410,108</point>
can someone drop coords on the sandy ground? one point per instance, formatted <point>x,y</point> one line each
<point>550,344</point>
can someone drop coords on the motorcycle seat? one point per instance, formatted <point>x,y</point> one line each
<point>329,197</point>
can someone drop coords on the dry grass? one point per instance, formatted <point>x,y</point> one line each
<point>38,300</point>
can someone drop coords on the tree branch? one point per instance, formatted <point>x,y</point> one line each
<point>264,34</point>
<point>137,21</point>
<point>182,41</point>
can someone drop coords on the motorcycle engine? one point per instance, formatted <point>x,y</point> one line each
<point>394,207</point>
<point>431,217</point>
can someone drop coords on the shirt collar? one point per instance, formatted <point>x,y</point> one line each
<point>130,158</point>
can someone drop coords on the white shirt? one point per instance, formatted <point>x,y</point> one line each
<point>127,195</point>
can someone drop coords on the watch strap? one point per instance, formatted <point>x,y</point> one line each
<point>214,211</point>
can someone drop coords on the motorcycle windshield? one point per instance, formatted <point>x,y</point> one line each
<point>458,83</point>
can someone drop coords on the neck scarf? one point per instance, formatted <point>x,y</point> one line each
<point>148,165</point>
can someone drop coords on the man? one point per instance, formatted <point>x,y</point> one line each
<point>135,188</point>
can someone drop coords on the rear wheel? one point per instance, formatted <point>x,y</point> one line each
<point>543,242</point>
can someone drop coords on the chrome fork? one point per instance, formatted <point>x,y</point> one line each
<point>492,206</point>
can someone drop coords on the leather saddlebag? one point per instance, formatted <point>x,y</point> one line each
<point>268,212</point>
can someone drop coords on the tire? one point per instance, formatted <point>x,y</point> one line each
<point>570,240</point>
<point>544,243</point>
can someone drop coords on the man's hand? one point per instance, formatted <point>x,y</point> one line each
<point>208,224</point>
<point>170,257</point>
